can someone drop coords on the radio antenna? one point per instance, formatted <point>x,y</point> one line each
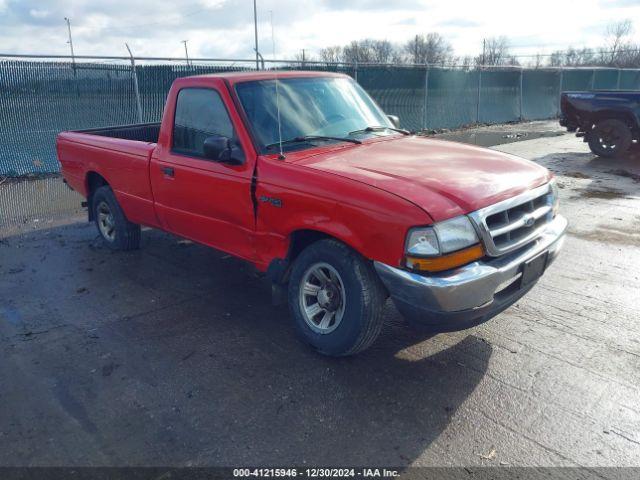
<point>273,48</point>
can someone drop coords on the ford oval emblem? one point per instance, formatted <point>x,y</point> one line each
<point>528,220</point>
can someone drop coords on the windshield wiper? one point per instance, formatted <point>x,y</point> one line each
<point>378,128</point>
<point>308,138</point>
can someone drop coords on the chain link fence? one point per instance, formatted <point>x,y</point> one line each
<point>41,97</point>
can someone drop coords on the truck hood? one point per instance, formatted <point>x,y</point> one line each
<point>443,178</point>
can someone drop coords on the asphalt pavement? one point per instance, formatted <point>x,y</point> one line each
<point>173,355</point>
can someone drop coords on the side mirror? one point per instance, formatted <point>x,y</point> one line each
<point>395,120</point>
<point>221,149</point>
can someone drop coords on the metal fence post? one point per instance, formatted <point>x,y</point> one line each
<point>560,91</point>
<point>593,79</point>
<point>618,80</point>
<point>426,97</point>
<point>521,111</point>
<point>134,73</point>
<point>355,70</point>
<point>479,89</point>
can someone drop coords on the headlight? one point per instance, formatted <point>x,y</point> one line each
<point>555,197</point>
<point>444,237</point>
<point>455,234</point>
<point>429,248</point>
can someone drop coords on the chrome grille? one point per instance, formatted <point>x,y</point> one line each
<point>510,224</point>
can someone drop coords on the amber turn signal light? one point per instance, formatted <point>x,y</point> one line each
<point>446,262</point>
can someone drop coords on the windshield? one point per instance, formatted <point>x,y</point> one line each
<point>317,106</point>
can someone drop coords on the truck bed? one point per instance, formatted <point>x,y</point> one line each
<point>580,110</point>
<point>121,156</point>
<point>140,132</point>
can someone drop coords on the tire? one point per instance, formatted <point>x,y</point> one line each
<point>352,293</point>
<point>610,138</point>
<point>117,232</point>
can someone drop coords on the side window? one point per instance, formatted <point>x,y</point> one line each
<point>200,113</point>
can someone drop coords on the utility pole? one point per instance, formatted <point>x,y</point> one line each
<point>303,57</point>
<point>186,52</point>
<point>135,83</point>
<point>273,37</point>
<point>484,51</point>
<point>70,42</point>
<point>255,27</point>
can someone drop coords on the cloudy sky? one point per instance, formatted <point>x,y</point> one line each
<point>224,28</point>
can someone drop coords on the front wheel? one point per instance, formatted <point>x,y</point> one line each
<point>336,299</point>
<point>610,138</point>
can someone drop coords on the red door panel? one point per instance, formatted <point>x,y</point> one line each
<point>195,197</point>
<point>205,201</point>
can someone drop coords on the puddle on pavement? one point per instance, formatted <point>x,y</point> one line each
<point>608,194</point>
<point>574,174</point>
<point>492,138</point>
<point>624,173</point>
<point>609,235</point>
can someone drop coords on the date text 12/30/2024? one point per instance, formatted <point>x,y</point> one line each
<point>315,473</point>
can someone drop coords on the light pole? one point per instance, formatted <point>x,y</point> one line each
<point>70,41</point>
<point>186,52</point>
<point>255,28</point>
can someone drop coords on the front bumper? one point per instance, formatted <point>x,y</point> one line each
<point>472,294</point>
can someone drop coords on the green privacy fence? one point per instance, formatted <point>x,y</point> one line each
<point>40,98</point>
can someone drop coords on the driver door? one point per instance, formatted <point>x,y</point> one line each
<point>196,197</point>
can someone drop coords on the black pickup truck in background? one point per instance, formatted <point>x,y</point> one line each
<point>608,120</point>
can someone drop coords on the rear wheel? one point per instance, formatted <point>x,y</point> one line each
<point>117,232</point>
<point>610,138</point>
<point>336,299</point>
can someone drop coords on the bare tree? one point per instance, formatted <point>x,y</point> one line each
<point>617,41</point>
<point>397,57</point>
<point>303,56</point>
<point>573,58</point>
<point>556,59</point>
<point>356,52</point>
<point>432,49</point>
<point>369,50</point>
<point>629,57</point>
<point>465,62</point>
<point>537,61</point>
<point>331,54</point>
<point>382,50</point>
<point>495,51</point>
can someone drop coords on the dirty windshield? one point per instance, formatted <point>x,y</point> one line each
<point>310,107</point>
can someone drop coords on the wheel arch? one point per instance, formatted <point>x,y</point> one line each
<point>279,268</point>
<point>93,181</point>
<point>626,116</point>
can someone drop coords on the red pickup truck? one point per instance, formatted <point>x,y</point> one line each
<point>304,176</point>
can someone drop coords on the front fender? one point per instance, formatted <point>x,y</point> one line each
<point>371,221</point>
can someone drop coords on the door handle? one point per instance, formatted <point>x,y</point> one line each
<point>168,171</point>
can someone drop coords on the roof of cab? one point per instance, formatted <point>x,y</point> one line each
<point>246,76</point>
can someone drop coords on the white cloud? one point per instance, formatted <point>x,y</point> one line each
<point>35,13</point>
<point>224,28</point>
